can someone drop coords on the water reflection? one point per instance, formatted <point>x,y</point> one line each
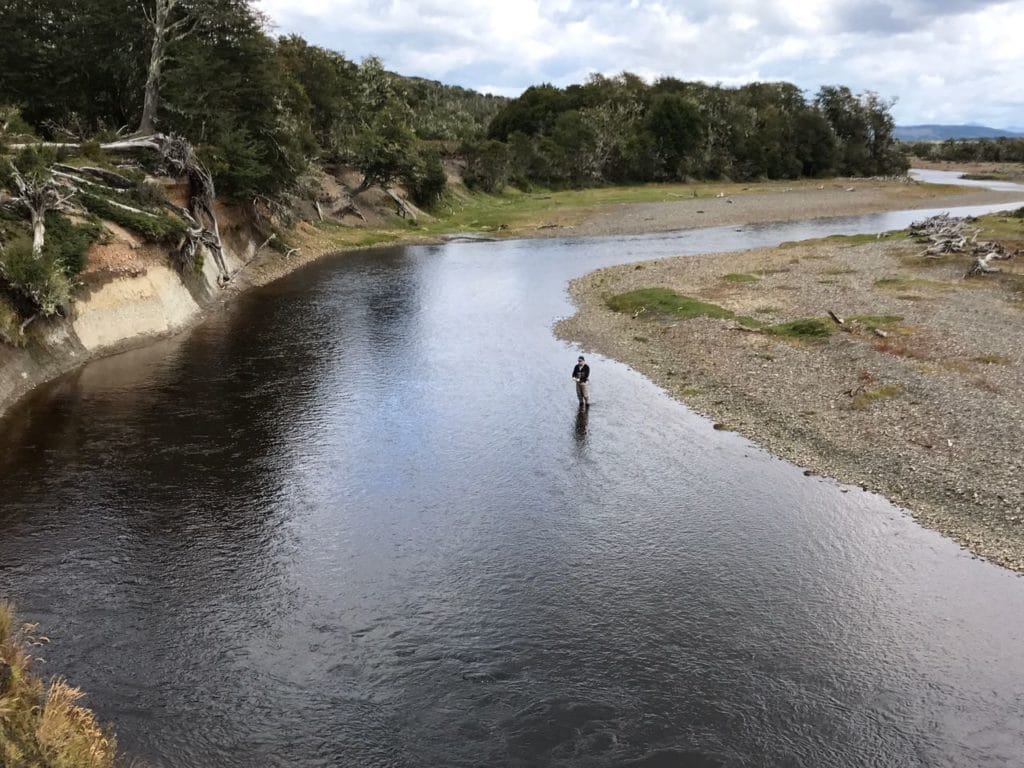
<point>342,524</point>
<point>580,428</point>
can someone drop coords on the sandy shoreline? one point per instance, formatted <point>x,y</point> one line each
<point>929,416</point>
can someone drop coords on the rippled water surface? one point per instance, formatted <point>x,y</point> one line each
<point>358,521</point>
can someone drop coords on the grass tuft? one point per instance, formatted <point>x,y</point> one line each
<point>664,301</point>
<point>992,359</point>
<point>43,726</point>
<point>805,329</point>
<point>865,399</point>
<point>899,348</point>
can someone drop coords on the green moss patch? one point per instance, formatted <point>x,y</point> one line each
<point>664,301</point>
<point>155,227</point>
<point>805,329</point>
<point>865,399</point>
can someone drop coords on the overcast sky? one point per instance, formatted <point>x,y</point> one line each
<point>945,61</point>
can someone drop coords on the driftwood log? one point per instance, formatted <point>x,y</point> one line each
<point>945,234</point>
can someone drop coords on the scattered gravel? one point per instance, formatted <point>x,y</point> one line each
<point>930,416</point>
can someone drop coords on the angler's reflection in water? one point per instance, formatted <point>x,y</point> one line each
<point>580,429</point>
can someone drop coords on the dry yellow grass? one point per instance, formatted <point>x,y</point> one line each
<point>43,727</point>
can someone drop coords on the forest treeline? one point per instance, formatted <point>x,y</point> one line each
<point>620,130</point>
<point>1001,150</point>
<point>261,108</point>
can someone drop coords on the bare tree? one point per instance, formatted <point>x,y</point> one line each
<point>165,32</point>
<point>38,194</point>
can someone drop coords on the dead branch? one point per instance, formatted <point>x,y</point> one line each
<point>981,264</point>
<point>26,323</point>
<point>37,196</point>
<point>84,182</point>
<point>945,234</point>
<point>351,207</point>
<point>404,209</point>
<point>112,178</point>
<point>835,318</point>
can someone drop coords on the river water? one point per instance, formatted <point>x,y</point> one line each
<point>357,520</point>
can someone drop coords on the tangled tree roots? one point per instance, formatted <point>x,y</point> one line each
<point>179,159</point>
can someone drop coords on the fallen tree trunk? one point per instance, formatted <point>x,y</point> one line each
<point>112,179</point>
<point>404,208</point>
<point>981,264</point>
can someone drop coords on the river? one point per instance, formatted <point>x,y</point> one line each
<point>358,520</point>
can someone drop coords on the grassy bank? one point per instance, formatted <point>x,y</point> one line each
<point>514,213</point>
<point>43,726</point>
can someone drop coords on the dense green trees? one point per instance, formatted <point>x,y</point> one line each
<point>259,110</point>
<point>1001,150</point>
<point>620,129</point>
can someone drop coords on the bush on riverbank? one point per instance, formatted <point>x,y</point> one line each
<point>40,284</point>
<point>40,726</point>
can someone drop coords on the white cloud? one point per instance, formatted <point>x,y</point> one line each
<point>944,60</point>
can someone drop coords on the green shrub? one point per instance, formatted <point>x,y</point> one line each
<point>66,243</point>
<point>157,227</point>
<point>10,323</point>
<point>146,194</point>
<point>487,165</point>
<point>91,150</point>
<point>41,280</point>
<point>427,181</point>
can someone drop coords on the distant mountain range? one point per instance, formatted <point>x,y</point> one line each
<point>943,132</point>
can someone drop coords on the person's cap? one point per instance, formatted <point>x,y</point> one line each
<point>581,358</point>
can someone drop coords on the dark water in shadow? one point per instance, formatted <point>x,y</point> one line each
<point>358,520</point>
